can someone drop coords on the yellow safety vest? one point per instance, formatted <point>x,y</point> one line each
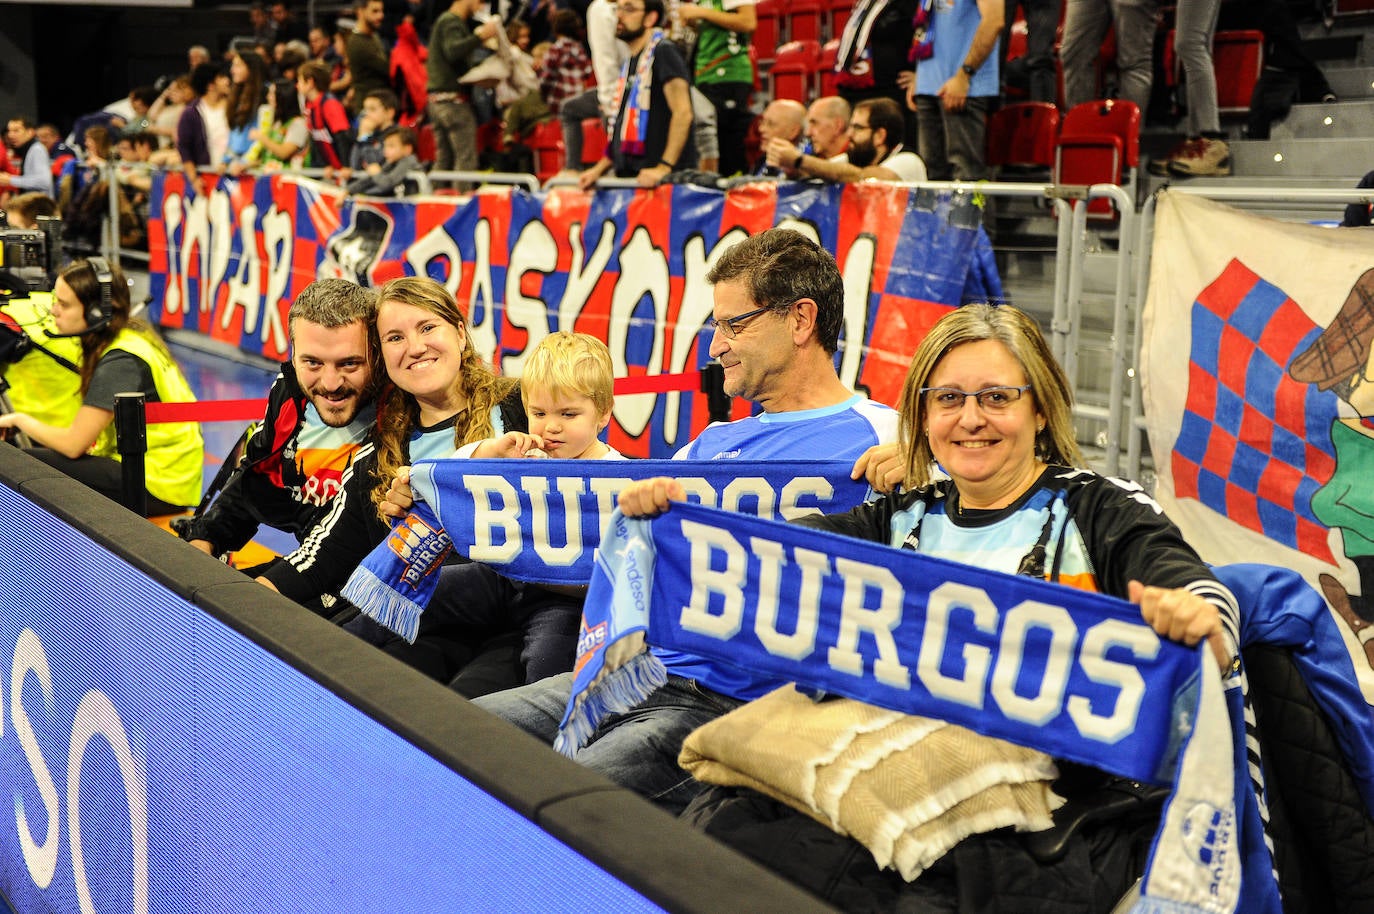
<point>39,386</point>
<point>176,451</point>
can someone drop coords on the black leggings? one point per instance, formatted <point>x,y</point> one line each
<point>103,474</point>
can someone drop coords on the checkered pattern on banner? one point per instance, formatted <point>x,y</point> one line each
<point>1254,444</point>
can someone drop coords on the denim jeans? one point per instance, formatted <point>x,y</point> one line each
<point>953,143</point>
<point>1196,23</point>
<point>1085,25</point>
<point>455,135</point>
<point>574,111</point>
<point>472,604</point>
<point>638,749</point>
<point>1037,66</point>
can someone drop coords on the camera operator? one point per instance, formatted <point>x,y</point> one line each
<point>90,302</point>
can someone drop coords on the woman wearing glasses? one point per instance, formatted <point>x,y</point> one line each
<point>985,401</point>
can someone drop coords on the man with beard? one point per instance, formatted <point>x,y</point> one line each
<point>875,150</point>
<point>652,129</point>
<point>320,417</point>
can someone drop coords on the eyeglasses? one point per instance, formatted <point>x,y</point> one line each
<point>730,326</point>
<point>629,9</point>
<point>990,399</point>
<point>854,128</point>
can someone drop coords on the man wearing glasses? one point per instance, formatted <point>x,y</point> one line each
<point>779,306</point>
<point>652,127</point>
<point>875,150</point>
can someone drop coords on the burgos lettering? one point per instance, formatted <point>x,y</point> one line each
<point>420,546</point>
<point>561,518</point>
<point>966,648</point>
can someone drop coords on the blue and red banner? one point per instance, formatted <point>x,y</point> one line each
<point>1258,372</point>
<point>626,266</point>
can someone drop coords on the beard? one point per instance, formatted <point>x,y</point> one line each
<point>862,156</point>
<point>336,407</point>
<point>630,35</point>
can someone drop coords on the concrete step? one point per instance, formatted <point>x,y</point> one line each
<point>1339,120</point>
<point>1302,159</point>
<point>1351,82</point>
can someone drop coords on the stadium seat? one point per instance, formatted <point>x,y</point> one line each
<point>795,69</point>
<point>804,20</point>
<point>825,68</point>
<point>546,142</point>
<point>838,13</point>
<point>1238,58</point>
<point>768,31</point>
<point>1022,137</point>
<point>490,142</point>
<point>1099,143</point>
<point>594,141</point>
<point>424,144</point>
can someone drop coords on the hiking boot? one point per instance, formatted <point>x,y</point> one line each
<point>1160,166</point>
<point>1208,159</point>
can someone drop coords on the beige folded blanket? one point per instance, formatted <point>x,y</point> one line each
<point>907,788</point>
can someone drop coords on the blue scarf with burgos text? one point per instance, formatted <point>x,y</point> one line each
<point>1075,674</point>
<point>541,520</point>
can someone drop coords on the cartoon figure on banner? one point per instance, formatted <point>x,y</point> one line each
<point>352,253</point>
<point>1341,360</point>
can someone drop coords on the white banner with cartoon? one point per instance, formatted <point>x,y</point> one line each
<point>1259,402</point>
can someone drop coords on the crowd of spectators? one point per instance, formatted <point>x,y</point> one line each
<point>660,90</point>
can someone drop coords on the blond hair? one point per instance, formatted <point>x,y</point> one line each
<point>398,413</point>
<point>1055,443</point>
<point>567,363</point>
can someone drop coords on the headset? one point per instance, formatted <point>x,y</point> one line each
<point>100,312</point>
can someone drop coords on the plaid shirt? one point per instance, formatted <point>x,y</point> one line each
<point>566,73</point>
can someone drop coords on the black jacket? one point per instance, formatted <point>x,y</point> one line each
<point>261,483</point>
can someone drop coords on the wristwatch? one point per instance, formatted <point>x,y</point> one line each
<point>969,71</point>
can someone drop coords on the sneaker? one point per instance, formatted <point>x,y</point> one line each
<point>1160,166</point>
<point>1209,158</point>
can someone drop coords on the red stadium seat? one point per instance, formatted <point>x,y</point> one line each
<point>1099,143</point>
<point>490,142</point>
<point>424,144</point>
<point>768,31</point>
<point>838,11</point>
<point>795,69</point>
<point>825,69</point>
<point>546,142</point>
<point>1022,137</point>
<point>594,141</point>
<point>1238,58</point>
<point>804,20</point>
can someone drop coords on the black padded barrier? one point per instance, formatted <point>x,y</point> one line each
<point>665,860</point>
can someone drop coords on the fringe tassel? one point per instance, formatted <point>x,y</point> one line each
<point>380,603</point>
<point>614,693</point>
